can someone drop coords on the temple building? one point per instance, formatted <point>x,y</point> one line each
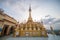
<point>31,28</point>
<point>7,23</point>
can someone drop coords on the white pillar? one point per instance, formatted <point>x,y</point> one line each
<point>8,30</point>
<point>38,28</point>
<point>26,28</point>
<point>30,28</point>
<point>34,28</point>
<point>21,28</point>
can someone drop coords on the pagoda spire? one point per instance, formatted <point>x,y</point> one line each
<point>30,17</point>
<point>29,11</point>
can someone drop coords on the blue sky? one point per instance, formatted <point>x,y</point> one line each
<point>46,9</point>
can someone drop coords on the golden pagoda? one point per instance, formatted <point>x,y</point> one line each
<point>31,28</point>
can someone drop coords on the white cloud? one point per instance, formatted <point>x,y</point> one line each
<point>51,21</point>
<point>19,9</point>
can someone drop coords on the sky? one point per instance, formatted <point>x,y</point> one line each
<point>47,10</point>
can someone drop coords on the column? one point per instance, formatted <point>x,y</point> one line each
<point>30,28</point>
<point>8,30</point>
<point>21,28</point>
<point>14,33</point>
<point>34,28</point>
<point>38,28</point>
<point>26,28</point>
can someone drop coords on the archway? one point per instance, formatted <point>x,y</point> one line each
<point>11,29</point>
<point>4,31</point>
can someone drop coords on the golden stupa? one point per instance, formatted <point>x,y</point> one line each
<point>31,28</point>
